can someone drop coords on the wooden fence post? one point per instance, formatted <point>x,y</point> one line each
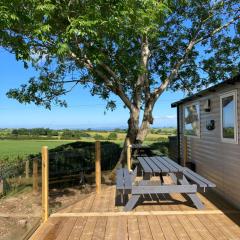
<point>35,176</point>
<point>27,169</point>
<point>185,151</point>
<point>129,163</point>
<point>45,172</point>
<point>98,166</point>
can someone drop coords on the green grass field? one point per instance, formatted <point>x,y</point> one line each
<point>13,149</point>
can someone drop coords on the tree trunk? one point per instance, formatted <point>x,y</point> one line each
<point>135,133</point>
<point>133,128</point>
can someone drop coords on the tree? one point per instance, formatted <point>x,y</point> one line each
<point>135,49</point>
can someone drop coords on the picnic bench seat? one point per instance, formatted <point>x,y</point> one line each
<point>197,179</point>
<point>124,180</point>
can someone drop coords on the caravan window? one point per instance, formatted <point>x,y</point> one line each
<point>228,106</point>
<point>192,120</point>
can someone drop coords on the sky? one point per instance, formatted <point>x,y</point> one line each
<point>83,111</point>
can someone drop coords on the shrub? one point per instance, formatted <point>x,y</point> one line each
<point>98,137</point>
<point>112,136</point>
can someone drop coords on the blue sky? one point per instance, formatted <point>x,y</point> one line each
<point>84,110</point>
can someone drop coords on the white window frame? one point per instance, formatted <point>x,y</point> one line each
<point>224,95</point>
<point>189,135</point>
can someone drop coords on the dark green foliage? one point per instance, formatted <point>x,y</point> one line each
<point>35,132</point>
<point>98,137</point>
<point>70,134</point>
<point>99,43</point>
<point>44,133</point>
<point>160,148</point>
<point>80,156</point>
<point>112,136</point>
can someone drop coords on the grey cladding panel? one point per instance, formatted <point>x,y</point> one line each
<point>215,160</point>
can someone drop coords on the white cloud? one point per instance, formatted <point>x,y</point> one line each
<point>166,117</point>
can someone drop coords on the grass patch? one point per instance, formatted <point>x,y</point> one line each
<point>13,150</point>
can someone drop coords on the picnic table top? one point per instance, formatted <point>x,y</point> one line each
<point>158,164</point>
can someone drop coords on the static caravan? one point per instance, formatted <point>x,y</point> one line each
<point>209,135</point>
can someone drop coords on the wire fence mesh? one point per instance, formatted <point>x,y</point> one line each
<point>71,177</point>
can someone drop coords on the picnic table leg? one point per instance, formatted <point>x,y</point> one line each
<point>119,198</point>
<point>173,177</point>
<point>146,176</point>
<point>161,178</point>
<point>193,196</point>
<point>196,201</point>
<point>132,202</point>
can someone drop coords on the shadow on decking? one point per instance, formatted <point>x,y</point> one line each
<point>221,204</point>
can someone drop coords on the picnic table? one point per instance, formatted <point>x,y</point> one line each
<point>184,181</point>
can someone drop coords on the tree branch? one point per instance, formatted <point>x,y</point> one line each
<point>217,30</point>
<point>142,80</point>
<point>115,89</point>
<point>158,91</point>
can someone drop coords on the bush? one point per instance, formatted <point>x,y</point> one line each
<point>112,136</point>
<point>84,135</point>
<point>98,137</point>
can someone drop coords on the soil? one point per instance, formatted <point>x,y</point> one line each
<point>22,212</point>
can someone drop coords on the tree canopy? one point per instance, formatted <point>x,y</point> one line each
<point>135,49</point>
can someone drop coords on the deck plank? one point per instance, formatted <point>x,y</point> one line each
<point>100,228</point>
<point>189,228</point>
<point>49,229</point>
<point>178,228</point>
<point>226,226</point>
<point>216,232</point>
<point>77,228</point>
<point>66,229</point>
<point>88,230</point>
<point>122,232</point>
<point>155,228</point>
<point>111,228</point>
<point>133,228</point>
<point>167,228</point>
<point>168,217</point>
<point>145,232</point>
<point>203,231</point>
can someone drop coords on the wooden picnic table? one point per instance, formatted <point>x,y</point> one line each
<point>185,181</point>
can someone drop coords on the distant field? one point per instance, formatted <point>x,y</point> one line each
<point>14,148</point>
<point>121,136</point>
<point>11,149</point>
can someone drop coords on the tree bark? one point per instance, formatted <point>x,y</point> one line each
<point>133,128</point>
<point>136,133</point>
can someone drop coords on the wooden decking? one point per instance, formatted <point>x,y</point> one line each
<point>169,217</point>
